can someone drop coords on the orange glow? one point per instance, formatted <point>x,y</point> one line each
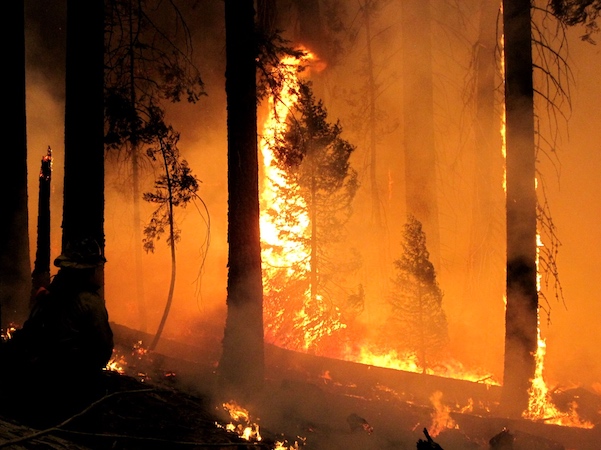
<point>408,362</point>
<point>441,418</point>
<point>540,406</point>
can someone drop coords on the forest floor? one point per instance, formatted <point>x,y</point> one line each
<point>160,402</point>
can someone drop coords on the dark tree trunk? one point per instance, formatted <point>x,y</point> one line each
<point>15,267</point>
<point>418,121</point>
<point>241,367</point>
<point>521,317</point>
<point>83,202</point>
<point>310,28</point>
<point>41,267</point>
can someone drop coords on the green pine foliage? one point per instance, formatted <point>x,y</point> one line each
<point>177,186</point>
<point>417,323</point>
<point>320,184</point>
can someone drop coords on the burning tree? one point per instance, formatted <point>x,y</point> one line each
<point>418,323</point>
<point>306,293</point>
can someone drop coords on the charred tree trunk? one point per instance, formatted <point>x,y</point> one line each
<point>241,368</point>
<point>83,203</point>
<point>41,267</point>
<point>418,119</point>
<point>521,316</point>
<point>15,268</point>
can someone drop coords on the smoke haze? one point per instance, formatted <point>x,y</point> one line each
<point>476,321</point>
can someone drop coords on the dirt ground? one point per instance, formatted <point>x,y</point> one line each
<point>161,402</point>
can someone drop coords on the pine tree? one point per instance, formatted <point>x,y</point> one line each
<point>417,323</point>
<point>320,185</point>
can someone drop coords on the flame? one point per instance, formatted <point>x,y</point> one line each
<point>8,333</point>
<point>46,166</point>
<point>116,364</point>
<point>409,363</point>
<point>127,363</point>
<point>285,230</point>
<point>244,427</point>
<point>441,417</point>
<point>540,406</point>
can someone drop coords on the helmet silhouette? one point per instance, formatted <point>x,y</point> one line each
<point>84,254</point>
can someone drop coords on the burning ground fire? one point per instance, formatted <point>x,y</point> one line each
<point>244,427</point>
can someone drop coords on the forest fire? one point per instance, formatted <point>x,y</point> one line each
<point>298,319</point>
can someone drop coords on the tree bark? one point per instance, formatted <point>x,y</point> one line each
<point>521,314</point>
<point>41,268</point>
<point>241,368</point>
<point>15,267</point>
<point>83,203</point>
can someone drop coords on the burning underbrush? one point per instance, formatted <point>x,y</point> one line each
<point>316,402</point>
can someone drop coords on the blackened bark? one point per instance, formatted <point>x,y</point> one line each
<point>241,367</point>
<point>15,268</point>
<point>521,316</point>
<point>83,203</point>
<point>41,267</point>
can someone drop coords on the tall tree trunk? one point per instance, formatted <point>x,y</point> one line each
<point>521,317</point>
<point>41,267</point>
<point>418,120</point>
<point>83,203</point>
<point>163,321</point>
<point>310,34</point>
<point>310,28</point>
<point>15,266</point>
<point>241,368</point>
